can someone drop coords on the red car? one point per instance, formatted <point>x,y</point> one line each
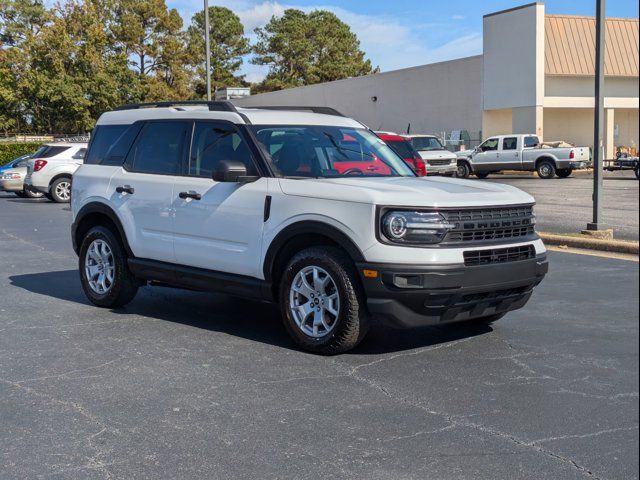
<point>403,147</point>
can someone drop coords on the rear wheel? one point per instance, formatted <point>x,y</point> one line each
<point>104,273</point>
<point>61,190</point>
<point>322,304</point>
<point>564,172</point>
<point>546,169</point>
<point>482,174</point>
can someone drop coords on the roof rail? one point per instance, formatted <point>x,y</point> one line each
<point>323,110</point>
<point>217,106</point>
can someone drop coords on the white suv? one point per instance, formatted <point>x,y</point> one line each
<point>270,203</point>
<point>51,169</point>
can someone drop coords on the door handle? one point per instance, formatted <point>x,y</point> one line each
<point>190,194</point>
<point>125,189</point>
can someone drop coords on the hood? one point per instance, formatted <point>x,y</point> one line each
<point>408,191</point>
<point>437,154</point>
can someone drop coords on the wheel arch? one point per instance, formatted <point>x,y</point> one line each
<point>97,213</point>
<point>301,235</point>
<point>60,175</point>
<point>549,158</point>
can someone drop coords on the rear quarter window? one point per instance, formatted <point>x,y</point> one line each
<point>50,151</point>
<point>103,139</point>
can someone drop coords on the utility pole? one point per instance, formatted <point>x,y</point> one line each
<point>598,120</point>
<point>207,48</point>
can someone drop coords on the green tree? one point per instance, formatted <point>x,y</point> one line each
<point>303,49</point>
<point>20,19</point>
<point>228,45</point>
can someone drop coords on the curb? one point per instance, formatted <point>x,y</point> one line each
<point>617,246</point>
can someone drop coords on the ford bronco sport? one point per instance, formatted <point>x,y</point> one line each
<point>255,202</point>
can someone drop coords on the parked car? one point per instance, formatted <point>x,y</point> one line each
<point>439,160</point>
<point>524,153</point>
<point>403,147</point>
<point>51,168</point>
<point>247,201</point>
<point>12,177</point>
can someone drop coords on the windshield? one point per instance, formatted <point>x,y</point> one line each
<point>426,143</point>
<point>329,152</point>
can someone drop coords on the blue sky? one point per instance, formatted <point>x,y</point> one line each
<point>402,33</point>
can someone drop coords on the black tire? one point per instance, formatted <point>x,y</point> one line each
<point>33,194</point>
<point>464,170</point>
<point>482,175</point>
<point>564,172</point>
<point>21,194</point>
<point>49,197</point>
<point>637,172</point>
<point>61,190</point>
<point>124,285</point>
<point>352,321</point>
<point>546,169</point>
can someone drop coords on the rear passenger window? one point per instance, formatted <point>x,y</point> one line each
<point>214,142</point>
<point>103,137</point>
<point>510,143</point>
<point>159,148</point>
<point>50,151</point>
<point>531,141</point>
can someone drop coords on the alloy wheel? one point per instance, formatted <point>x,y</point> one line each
<point>99,267</point>
<point>314,302</point>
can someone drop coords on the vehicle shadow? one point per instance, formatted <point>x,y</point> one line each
<point>253,320</point>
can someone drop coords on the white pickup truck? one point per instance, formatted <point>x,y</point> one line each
<point>522,152</point>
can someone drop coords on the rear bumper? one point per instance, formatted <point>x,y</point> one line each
<point>11,185</point>
<point>573,165</point>
<point>413,296</point>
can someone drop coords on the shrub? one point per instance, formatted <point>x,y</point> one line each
<point>9,151</point>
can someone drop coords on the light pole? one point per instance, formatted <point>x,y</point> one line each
<point>598,119</point>
<point>207,48</point>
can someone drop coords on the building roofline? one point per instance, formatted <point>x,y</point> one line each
<point>588,17</point>
<point>512,9</point>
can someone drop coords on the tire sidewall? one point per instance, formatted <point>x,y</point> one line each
<point>119,258</point>
<point>552,170</point>
<point>315,257</point>
<point>465,169</point>
<point>54,196</point>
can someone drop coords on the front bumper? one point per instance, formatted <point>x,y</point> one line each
<point>413,296</point>
<point>441,169</point>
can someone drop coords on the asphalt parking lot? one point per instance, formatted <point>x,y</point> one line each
<point>564,205</point>
<point>189,386</point>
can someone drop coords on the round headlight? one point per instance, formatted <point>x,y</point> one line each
<point>395,225</point>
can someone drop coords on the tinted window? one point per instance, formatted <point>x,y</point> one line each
<point>80,153</point>
<point>531,141</point>
<point>47,151</point>
<point>404,148</point>
<point>104,136</point>
<point>426,143</point>
<point>214,142</point>
<point>159,148</point>
<point>510,143</point>
<point>489,145</point>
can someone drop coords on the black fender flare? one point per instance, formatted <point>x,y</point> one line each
<point>307,227</point>
<point>98,208</point>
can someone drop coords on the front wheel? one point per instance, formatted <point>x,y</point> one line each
<point>104,274</point>
<point>546,169</point>
<point>564,172</point>
<point>463,170</point>
<point>61,190</point>
<point>322,303</point>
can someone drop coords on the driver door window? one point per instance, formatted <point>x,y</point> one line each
<point>214,142</point>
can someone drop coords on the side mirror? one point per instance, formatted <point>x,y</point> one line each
<point>232,171</point>
<point>476,150</point>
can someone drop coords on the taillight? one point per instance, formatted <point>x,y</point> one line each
<point>572,154</point>
<point>420,167</point>
<point>39,165</point>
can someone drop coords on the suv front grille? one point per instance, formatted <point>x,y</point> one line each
<point>499,255</point>
<point>489,224</point>
<point>439,162</point>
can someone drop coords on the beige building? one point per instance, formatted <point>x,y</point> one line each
<point>536,74</point>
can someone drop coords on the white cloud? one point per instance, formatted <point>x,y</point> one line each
<point>390,42</point>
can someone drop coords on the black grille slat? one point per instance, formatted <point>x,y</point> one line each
<point>498,255</point>
<point>489,224</point>
<point>438,162</point>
